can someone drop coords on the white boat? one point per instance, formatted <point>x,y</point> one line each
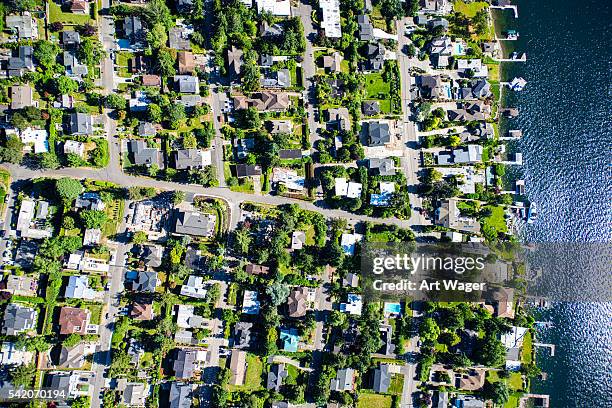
<point>532,215</point>
<point>517,84</point>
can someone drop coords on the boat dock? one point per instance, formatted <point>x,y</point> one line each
<point>521,58</point>
<point>547,345</point>
<point>546,325</point>
<point>512,135</point>
<point>540,400</point>
<point>508,7</point>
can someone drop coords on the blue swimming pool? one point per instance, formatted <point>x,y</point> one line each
<point>395,308</point>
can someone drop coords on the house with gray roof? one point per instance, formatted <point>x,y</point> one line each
<point>178,38</point>
<point>81,124</point>
<point>247,170</point>
<point>275,377</point>
<point>21,62</point>
<point>18,319</point>
<point>375,57</point>
<point>146,282</point>
<point>133,29</point>
<point>24,26</point>
<point>242,334</point>
<point>382,167</point>
<point>370,108</point>
<point>146,129</point>
<point>276,79</point>
<point>142,155</point>
<point>185,363</point>
<point>194,223</point>
<point>135,394</point>
<point>72,357</point>
<point>382,379</point>
<point>180,395</point>
<point>366,29</point>
<point>73,67</point>
<point>344,380</point>
<point>234,62</point>
<point>71,38</point>
<point>188,159</point>
<point>187,84</point>
<point>151,255</point>
<point>378,133</point>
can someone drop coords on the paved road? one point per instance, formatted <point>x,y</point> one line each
<point>218,142</point>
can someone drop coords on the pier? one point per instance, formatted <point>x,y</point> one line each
<point>541,400</point>
<point>547,345</point>
<point>512,135</point>
<point>522,58</point>
<point>508,7</point>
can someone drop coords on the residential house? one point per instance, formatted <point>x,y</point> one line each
<point>375,57</point>
<point>186,62</point>
<point>339,118</point>
<point>386,336</point>
<point>22,62</point>
<point>194,223</point>
<point>382,379</point>
<point>151,80</point>
<point>344,380</point>
<point>434,23</point>
<point>74,68</point>
<point>238,367</point>
<point>330,10</point>
<point>265,101</point>
<point>146,129</point>
<point>72,357</point>
<point>21,285</point>
<point>194,287</point>
<point>290,154</point>
<point>469,401</point>
<point>73,384</point>
<point>290,339</point>
<point>440,399</point>
<point>146,282</point>
<point>187,319</point>
<point>242,334</point>
<point>89,201</point>
<point>332,63</point>
<point>381,167</point>
<point>436,6</point>
<point>78,288</point>
<point>234,62</point>
<point>74,320</point>
<point>81,124</point>
<point>188,84</point>
<point>276,79</point>
<point>180,395</point>
<point>289,178</point>
<point>472,67</point>
<point>378,133</point>
<point>275,377</point>
<point>247,170</point>
<point>133,30</point>
<point>298,239</point>
<point>353,305</point>
<point>432,87</point>
<point>366,29</point>
<point>21,96</point>
<point>142,155</point>
<point>36,140</point>
<point>472,380</point>
<point>370,108</point>
<point>253,269</point>
<point>250,303</point>
<point>351,279</point>
<point>503,302</point>
<point>26,252</point>
<point>297,303</point>
<point>134,394</point>
<point>11,355</point>
<point>142,310</point>
<point>79,7</point>
<point>280,127</point>
<point>350,189</point>
<point>18,319</point>
<point>187,159</point>
<point>31,223</point>
<point>71,39</point>
<point>280,8</point>
<point>178,38</point>
<point>24,26</point>
<point>74,147</point>
<point>185,363</point>
<point>348,242</point>
<point>449,216</point>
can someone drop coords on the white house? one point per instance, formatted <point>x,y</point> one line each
<point>36,138</point>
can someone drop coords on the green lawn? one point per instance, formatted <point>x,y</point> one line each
<point>515,381</point>
<point>376,87</point>
<point>244,186</point>
<point>526,357</point>
<point>374,400</point>
<point>513,401</point>
<point>56,14</point>
<point>496,220</point>
<point>469,9</point>
<point>397,384</point>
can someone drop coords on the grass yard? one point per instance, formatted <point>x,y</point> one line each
<point>244,186</point>
<point>374,400</point>
<point>513,401</point>
<point>515,381</point>
<point>56,14</point>
<point>96,312</point>
<point>114,211</point>
<point>397,384</point>
<point>496,220</point>
<point>232,293</point>
<point>493,71</point>
<point>527,351</point>
<point>376,87</point>
<point>469,9</point>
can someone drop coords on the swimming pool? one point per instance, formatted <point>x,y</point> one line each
<point>393,308</point>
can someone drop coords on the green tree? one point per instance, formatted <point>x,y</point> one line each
<point>154,112</point>
<point>93,218</point>
<point>278,293</point>
<point>190,141</point>
<point>157,36</point>
<point>178,197</point>
<point>49,161</point>
<point>72,340</point>
<point>90,51</point>
<point>23,375</point>
<point>492,352</point>
<point>165,63</point>
<point>139,238</point>
<point>64,85</point>
<point>12,152</point>
<point>176,115</point>
<point>497,392</point>
<point>115,101</point>
<point>250,76</point>
<point>429,330</point>
<point>157,12</point>
<point>243,240</point>
<point>46,53</point>
<point>68,189</point>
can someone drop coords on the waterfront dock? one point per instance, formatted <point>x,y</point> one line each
<point>508,7</point>
<point>548,346</point>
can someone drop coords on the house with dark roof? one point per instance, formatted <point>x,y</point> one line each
<point>275,377</point>
<point>378,133</point>
<point>234,62</point>
<point>74,320</point>
<point>370,108</point>
<point>81,124</point>
<point>143,155</point>
<point>146,129</point>
<point>254,269</point>
<point>72,357</point>
<point>386,335</point>
<point>185,363</point>
<point>431,86</point>
<point>247,170</point>
<point>21,96</point>
<point>180,395</point>
<point>382,379</point>
<point>133,30</point>
<point>290,154</point>
<point>18,319</point>
<point>71,38</point>
<point>194,223</point>
<point>22,62</point>
<point>375,57</point>
<point>382,167</point>
<point>146,282</point>
<point>190,159</point>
